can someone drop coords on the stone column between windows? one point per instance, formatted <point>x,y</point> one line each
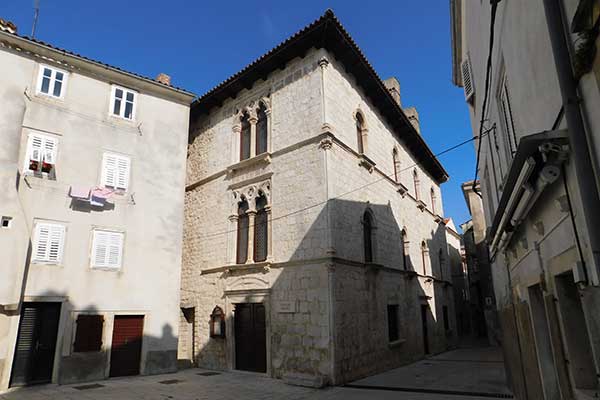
<point>269,235</point>
<point>251,219</point>
<point>253,120</point>
<point>268,116</point>
<point>237,139</point>
<point>232,239</point>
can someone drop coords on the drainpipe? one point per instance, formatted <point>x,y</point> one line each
<point>584,167</point>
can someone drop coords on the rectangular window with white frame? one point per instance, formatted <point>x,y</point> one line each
<point>107,249</point>
<point>40,158</point>
<point>123,102</point>
<point>49,242</point>
<point>115,171</point>
<point>51,82</point>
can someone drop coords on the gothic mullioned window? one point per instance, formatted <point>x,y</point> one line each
<point>242,232</point>
<point>417,184</point>
<point>396,161</point>
<point>368,236</point>
<point>433,200</point>
<point>261,232</point>
<point>360,132</point>
<point>261,129</point>
<point>424,256</point>
<point>404,243</point>
<point>245,137</point>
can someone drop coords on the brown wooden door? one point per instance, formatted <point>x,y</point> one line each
<point>36,344</point>
<point>250,337</point>
<point>126,345</point>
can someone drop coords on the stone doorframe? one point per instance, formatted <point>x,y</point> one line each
<point>249,294</point>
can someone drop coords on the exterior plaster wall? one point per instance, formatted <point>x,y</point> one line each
<point>156,144</point>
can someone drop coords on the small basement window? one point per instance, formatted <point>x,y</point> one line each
<point>6,222</point>
<point>393,328</point>
<point>88,335</point>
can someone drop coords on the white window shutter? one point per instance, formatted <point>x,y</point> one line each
<point>467,78</point>
<point>50,150</point>
<point>107,249</point>
<point>35,147</point>
<point>49,242</point>
<point>109,166</point>
<point>123,164</point>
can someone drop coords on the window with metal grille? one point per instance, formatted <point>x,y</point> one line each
<point>368,236</point>
<point>467,78</point>
<point>245,137</point>
<point>261,231</point>
<point>88,333</point>
<point>242,233</point>
<point>261,130</point>
<point>393,328</point>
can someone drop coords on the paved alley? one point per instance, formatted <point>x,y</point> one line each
<point>458,374</point>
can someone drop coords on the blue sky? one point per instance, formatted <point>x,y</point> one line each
<point>201,43</point>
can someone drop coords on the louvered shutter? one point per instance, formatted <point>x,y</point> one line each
<point>115,171</point>
<point>49,242</point>
<point>35,148</point>
<point>107,249</point>
<point>467,78</point>
<point>123,164</point>
<point>49,150</point>
<point>109,170</point>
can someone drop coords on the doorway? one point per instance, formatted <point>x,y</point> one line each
<point>250,337</point>
<point>424,312</point>
<point>36,344</point>
<point>125,355</point>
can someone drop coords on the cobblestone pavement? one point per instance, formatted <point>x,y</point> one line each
<point>197,384</point>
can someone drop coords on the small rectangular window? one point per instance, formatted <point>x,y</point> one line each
<point>51,81</point>
<point>6,222</point>
<point>393,328</point>
<point>107,249</point>
<point>40,159</point>
<point>123,102</point>
<point>48,243</point>
<point>88,333</point>
<point>115,171</point>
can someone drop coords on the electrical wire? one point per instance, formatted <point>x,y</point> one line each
<point>456,146</point>
<point>488,75</point>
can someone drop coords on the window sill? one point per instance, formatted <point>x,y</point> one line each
<point>400,188</point>
<point>396,343</point>
<point>48,263</point>
<point>121,120</point>
<point>421,205</point>
<point>107,269</point>
<point>264,158</point>
<point>439,219</point>
<point>265,266</point>
<point>50,97</point>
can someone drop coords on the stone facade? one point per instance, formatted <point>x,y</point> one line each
<point>326,301</point>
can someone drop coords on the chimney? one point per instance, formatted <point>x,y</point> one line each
<point>164,79</point>
<point>7,26</point>
<point>413,116</point>
<point>393,86</point>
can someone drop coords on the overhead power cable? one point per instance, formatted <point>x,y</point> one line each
<point>488,75</point>
<point>449,149</point>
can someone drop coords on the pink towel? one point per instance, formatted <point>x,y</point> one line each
<point>79,192</point>
<point>102,192</point>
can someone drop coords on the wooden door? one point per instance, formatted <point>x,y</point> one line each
<point>126,345</point>
<point>36,344</point>
<point>250,337</point>
<point>424,312</point>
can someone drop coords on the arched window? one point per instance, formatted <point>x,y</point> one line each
<point>368,236</point>
<point>404,242</point>
<point>424,255</point>
<point>360,127</point>
<point>261,232</point>
<point>245,137</point>
<point>242,232</point>
<point>441,262</point>
<point>417,184</point>
<point>396,160</point>
<point>261,130</point>
<point>433,200</point>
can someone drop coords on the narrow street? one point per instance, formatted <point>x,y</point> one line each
<point>467,373</point>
